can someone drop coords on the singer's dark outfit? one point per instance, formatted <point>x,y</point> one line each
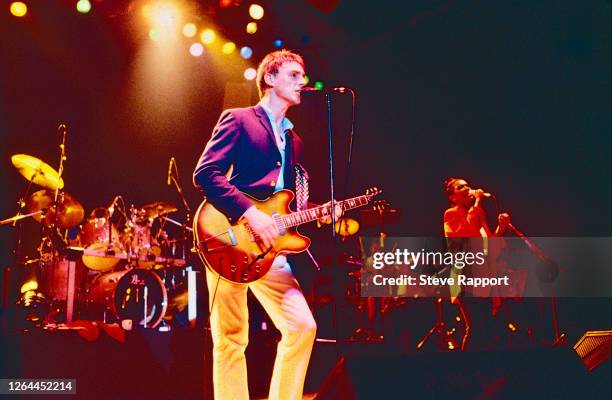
<point>244,155</point>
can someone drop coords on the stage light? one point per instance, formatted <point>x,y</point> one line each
<point>196,49</point>
<point>250,74</point>
<point>251,27</point>
<point>164,15</point>
<point>319,85</point>
<point>256,11</point>
<point>228,48</point>
<point>83,6</point>
<point>154,35</point>
<point>278,43</point>
<point>512,327</point>
<point>207,36</point>
<point>190,30</point>
<point>306,79</point>
<point>19,8</point>
<point>246,52</point>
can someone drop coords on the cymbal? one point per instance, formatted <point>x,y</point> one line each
<point>159,207</point>
<point>37,171</point>
<point>347,227</point>
<point>69,211</point>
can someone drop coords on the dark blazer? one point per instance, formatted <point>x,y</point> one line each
<point>242,156</point>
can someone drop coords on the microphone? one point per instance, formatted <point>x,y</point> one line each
<point>338,89</point>
<point>111,209</point>
<point>172,161</point>
<point>484,194</point>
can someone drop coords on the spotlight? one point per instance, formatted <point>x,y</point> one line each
<point>256,11</point>
<point>207,36</point>
<point>19,8</point>
<point>278,43</point>
<point>196,49</point>
<point>251,27</point>
<point>228,48</point>
<point>250,74</point>
<point>162,15</point>
<point>190,30</point>
<point>83,6</point>
<point>246,52</point>
<point>319,85</point>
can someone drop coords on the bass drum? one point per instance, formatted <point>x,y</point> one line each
<point>141,297</point>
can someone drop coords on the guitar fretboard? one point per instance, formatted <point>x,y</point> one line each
<point>311,214</point>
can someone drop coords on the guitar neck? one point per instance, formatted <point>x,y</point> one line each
<point>312,214</point>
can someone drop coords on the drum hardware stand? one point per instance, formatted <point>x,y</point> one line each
<point>445,337</point>
<point>111,210</point>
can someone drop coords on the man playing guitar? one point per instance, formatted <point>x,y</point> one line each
<point>254,150</point>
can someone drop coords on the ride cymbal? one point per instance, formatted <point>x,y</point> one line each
<point>37,171</point>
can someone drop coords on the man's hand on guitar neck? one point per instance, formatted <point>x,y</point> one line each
<point>262,225</point>
<point>337,214</point>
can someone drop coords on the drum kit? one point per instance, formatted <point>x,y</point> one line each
<point>115,265</point>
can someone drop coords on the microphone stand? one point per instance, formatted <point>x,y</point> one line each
<point>560,338</point>
<point>187,223</point>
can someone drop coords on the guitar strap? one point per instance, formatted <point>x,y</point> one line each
<point>301,188</point>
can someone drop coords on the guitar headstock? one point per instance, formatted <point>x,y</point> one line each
<point>373,192</point>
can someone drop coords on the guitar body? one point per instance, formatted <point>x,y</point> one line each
<point>232,252</point>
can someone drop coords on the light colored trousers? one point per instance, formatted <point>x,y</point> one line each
<point>280,295</point>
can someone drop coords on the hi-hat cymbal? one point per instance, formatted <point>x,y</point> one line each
<point>159,207</point>
<point>37,171</point>
<point>347,227</point>
<point>68,210</point>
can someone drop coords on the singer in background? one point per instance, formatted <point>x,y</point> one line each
<point>465,219</point>
<point>255,150</point>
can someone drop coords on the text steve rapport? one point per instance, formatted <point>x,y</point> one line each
<point>427,280</point>
<point>458,259</point>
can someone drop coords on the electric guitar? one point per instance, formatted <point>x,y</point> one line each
<point>236,254</point>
